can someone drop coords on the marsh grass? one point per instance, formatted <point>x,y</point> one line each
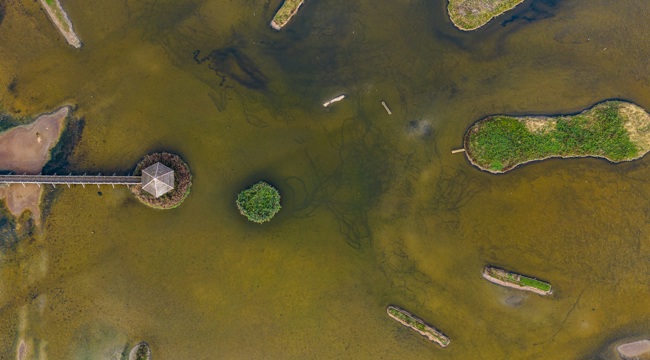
<point>534,283</point>
<point>499,143</point>
<point>472,14</point>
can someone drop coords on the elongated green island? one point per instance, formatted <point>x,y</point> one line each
<point>516,281</point>
<point>409,320</point>
<point>615,130</point>
<point>470,15</point>
<point>288,9</point>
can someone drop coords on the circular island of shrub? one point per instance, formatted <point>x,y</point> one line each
<point>182,181</point>
<point>259,203</point>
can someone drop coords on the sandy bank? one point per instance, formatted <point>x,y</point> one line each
<point>635,350</point>
<point>60,19</point>
<point>468,15</point>
<point>26,149</point>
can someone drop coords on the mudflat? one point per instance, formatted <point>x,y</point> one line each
<point>26,149</point>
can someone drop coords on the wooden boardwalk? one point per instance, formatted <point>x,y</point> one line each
<point>68,180</point>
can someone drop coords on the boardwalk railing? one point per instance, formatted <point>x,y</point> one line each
<point>68,180</point>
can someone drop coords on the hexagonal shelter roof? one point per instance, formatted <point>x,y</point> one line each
<point>158,179</point>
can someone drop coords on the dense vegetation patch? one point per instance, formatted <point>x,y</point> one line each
<point>472,14</point>
<point>259,203</point>
<point>499,143</point>
<point>182,181</point>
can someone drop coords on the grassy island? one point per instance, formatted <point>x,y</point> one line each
<point>60,19</point>
<point>516,281</point>
<point>472,14</point>
<point>614,130</point>
<point>288,9</point>
<point>409,320</point>
<point>182,181</point>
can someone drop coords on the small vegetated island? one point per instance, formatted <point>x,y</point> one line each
<point>411,321</point>
<point>615,130</point>
<point>288,9</point>
<point>259,203</point>
<point>470,15</point>
<point>516,281</point>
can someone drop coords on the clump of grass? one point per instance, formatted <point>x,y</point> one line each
<point>259,203</point>
<point>535,283</point>
<point>472,14</point>
<point>499,143</point>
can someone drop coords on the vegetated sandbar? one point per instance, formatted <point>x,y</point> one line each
<point>614,130</point>
<point>288,9</point>
<point>516,281</point>
<point>26,149</point>
<point>409,320</point>
<point>60,18</point>
<point>470,15</point>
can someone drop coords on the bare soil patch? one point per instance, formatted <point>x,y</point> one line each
<point>26,149</point>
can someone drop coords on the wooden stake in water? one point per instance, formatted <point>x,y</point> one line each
<point>336,99</point>
<point>383,103</point>
<point>458,151</point>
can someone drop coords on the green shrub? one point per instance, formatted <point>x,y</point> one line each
<point>259,203</point>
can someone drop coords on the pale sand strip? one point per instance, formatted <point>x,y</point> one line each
<point>26,149</point>
<point>60,18</point>
<point>635,349</point>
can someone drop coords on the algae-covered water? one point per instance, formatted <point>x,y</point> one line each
<point>375,208</point>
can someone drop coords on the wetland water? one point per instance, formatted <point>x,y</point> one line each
<point>376,210</point>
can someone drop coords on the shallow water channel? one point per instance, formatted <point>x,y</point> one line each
<point>376,209</point>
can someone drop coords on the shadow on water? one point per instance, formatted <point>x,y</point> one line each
<point>231,63</point>
<point>352,186</point>
<point>2,12</point>
<point>535,11</point>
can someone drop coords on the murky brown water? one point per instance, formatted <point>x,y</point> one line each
<point>376,210</point>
